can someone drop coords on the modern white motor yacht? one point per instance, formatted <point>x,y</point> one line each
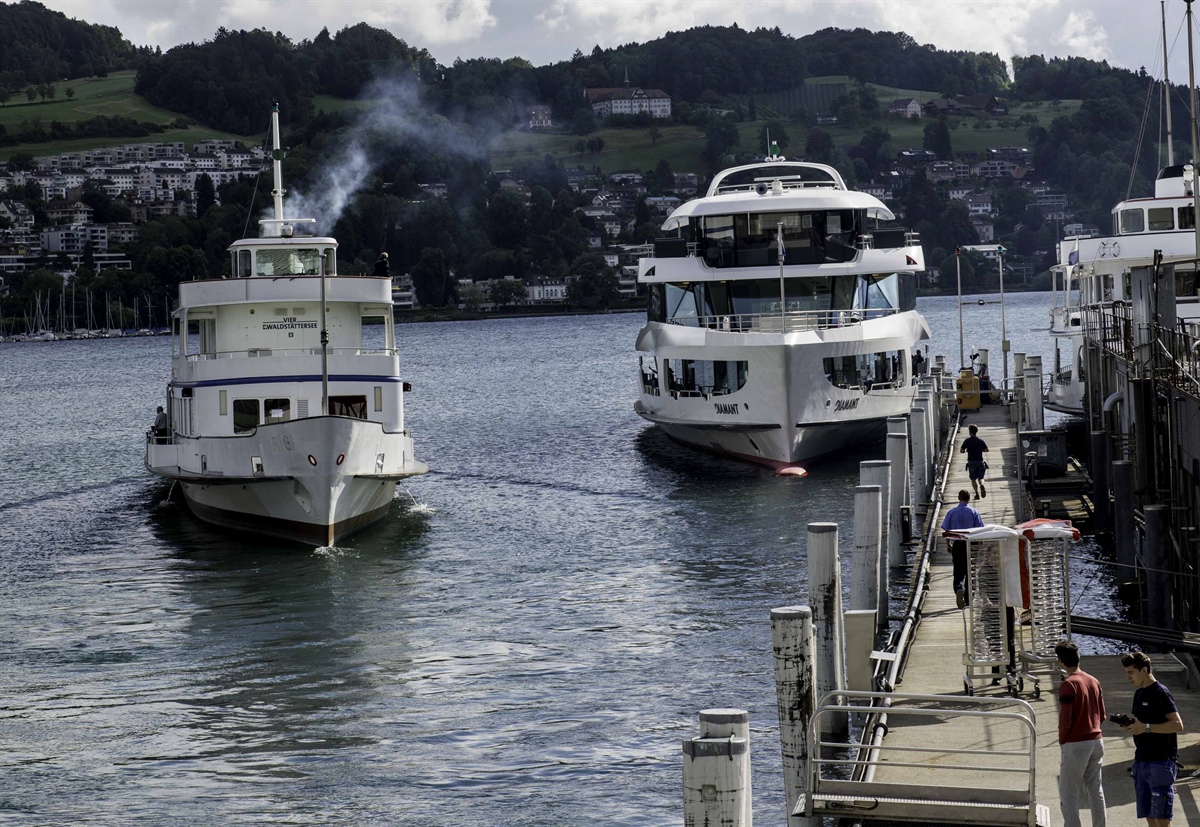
<point>284,419</point>
<point>781,317</point>
<point>1094,273</point>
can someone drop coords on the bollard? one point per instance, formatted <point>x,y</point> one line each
<point>1160,584</point>
<point>920,455</point>
<point>1124,529</point>
<point>868,537</point>
<point>795,693</point>
<point>897,454</point>
<point>877,472</point>
<point>825,597</point>
<point>716,771</point>
<point>1099,468</point>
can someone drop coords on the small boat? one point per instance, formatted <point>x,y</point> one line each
<point>781,317</point>
<point>286,404</point>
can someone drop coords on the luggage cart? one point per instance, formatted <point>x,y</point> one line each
<point>1046,579</point>
<point>991,552</point>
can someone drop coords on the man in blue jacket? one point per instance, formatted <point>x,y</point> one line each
<point>957,518</point>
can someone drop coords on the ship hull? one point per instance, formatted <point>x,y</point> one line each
<point>315,480</point>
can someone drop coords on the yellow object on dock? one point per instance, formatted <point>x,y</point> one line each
<point>967,391</point>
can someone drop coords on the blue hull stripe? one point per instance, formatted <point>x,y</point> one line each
<point>268,380</point>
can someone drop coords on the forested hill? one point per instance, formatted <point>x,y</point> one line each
<point>230,81</point>
<point>38,45</point>
<point>226,81</point>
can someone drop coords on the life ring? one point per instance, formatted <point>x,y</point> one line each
<point>312,460</point>
<point>341,458</point>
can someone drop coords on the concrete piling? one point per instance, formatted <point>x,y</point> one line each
<point>878,473</point>
<point>1160,586</point>
<point>795,691</point>
<point>1124,529</point>
<point>716,771</point>
<point>897,454</point>
<point>1099,469</point>
<point>868,544</point>
<point>825,597</point>
<point>920,454</point>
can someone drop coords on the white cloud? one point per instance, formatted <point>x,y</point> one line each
<point>1084,36</point>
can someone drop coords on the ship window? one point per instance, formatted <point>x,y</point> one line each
<point>287,262</point>
<point>378,398</point>
<point>351,406</point>
<point>330,262</point>
<point>223,403</point>
<point>1160,218</point>
<point>1187,217</point>
<point>702,377</point>
<point>1133,221</point>
<point>866,370</point>
<point>879,292</point>
<point>245,415</point>
<point>681,304</point>
<point>278,410</point>
<point>242,269</point>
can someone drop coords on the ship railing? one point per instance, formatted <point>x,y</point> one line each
<point>888,239</point>
<point>793,321</point>
<point>265,352</point>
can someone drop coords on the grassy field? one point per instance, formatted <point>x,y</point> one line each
<point>94,97</point>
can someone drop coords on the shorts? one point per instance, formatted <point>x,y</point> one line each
<point>1154,788</point>
<point>975,469</point>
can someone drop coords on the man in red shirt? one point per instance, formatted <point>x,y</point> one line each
<point>1080,712</point>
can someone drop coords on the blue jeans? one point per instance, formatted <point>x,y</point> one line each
<point>1154,788</point>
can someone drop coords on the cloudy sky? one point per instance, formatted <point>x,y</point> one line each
<point>1126,33</point>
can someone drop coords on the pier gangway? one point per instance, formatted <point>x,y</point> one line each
<point>985,776</point>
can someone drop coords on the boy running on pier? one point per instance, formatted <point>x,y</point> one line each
<point>975,448</point>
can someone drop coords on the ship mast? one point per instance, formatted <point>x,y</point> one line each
<point>1192,118</point>
<point>1167,87</point>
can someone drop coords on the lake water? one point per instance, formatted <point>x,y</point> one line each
<point>525,640</point>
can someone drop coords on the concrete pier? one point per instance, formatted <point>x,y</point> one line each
<point>935,663</point>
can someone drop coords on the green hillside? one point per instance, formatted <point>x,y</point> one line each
<point>94,97</point>
<point>681,145</point>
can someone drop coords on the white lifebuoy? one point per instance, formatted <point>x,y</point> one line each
<point>312,460</point>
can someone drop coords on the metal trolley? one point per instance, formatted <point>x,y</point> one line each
<point>1045,580</point>
<point>993,555</point>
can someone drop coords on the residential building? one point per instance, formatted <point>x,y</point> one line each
<point>538,117</point>
<point>627,100</point>
<point>904,108</point>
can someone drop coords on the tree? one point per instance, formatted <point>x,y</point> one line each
<point>937,139</point>
<point>720,136</point>
<point>70,92</point>
<point>595,285</point>
<point>206,194</point>
<point>655,135</point>
<point>503,292</point>
<point>819,146</point>
<point>431,278</point>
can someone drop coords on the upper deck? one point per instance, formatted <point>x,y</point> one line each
<point>797,215</point>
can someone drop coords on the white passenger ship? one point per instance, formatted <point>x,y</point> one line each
<point>781,317</point>
<point>1094,272</point>
<point>284,421</point>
